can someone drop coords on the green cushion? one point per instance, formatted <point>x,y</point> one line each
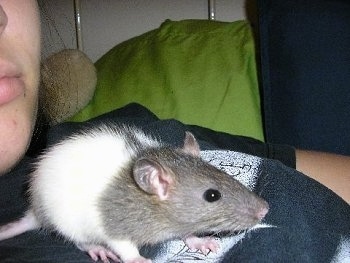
<point>196,71</point>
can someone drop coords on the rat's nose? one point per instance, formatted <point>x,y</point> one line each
<point>3,20</point>
<point>262,213</point>
<point>262,210</point>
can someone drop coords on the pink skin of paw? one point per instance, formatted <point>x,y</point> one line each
<point>105,255</point>
<point>99,252</point>
<point>204,244</point>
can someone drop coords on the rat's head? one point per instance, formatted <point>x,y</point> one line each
<point>197,196</point>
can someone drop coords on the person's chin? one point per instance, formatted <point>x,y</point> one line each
<point>15,132</point>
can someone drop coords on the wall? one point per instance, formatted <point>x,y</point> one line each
<point>108,22</point>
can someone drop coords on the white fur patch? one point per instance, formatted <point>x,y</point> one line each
<point>73,175</point>
<point>342,255</point>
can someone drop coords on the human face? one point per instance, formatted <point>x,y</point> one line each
<point>19,78</point>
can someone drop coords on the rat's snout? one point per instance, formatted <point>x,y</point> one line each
<point>262,211</point>
<point>256,211</point>
<point>259,209</point>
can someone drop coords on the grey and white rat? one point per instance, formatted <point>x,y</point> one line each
<point>111,189</point>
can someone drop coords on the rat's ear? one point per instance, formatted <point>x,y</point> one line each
<point>191,145</point>
<point>152,177</point>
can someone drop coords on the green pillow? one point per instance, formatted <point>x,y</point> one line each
<point>196,71</point>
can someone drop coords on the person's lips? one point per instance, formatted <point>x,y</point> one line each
<point>10,89</point>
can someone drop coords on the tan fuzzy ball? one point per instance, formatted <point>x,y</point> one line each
<point>68,81</point>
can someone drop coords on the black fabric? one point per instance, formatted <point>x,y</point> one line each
<point>305,72</point>
<point>13,191</point>
<point>308,221</point>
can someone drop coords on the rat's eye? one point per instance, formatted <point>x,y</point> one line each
<point>211,195</point>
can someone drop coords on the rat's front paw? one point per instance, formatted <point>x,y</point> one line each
<point>97,252</point>
<point>103,254</point>
<point>204,244</point>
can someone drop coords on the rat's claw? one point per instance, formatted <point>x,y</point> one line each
<point>97,252</point>
<point>103,256</point>
<point>204,244</point>
<point>112,256</point>
<point>212,245</point>
<point>93,255</point>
